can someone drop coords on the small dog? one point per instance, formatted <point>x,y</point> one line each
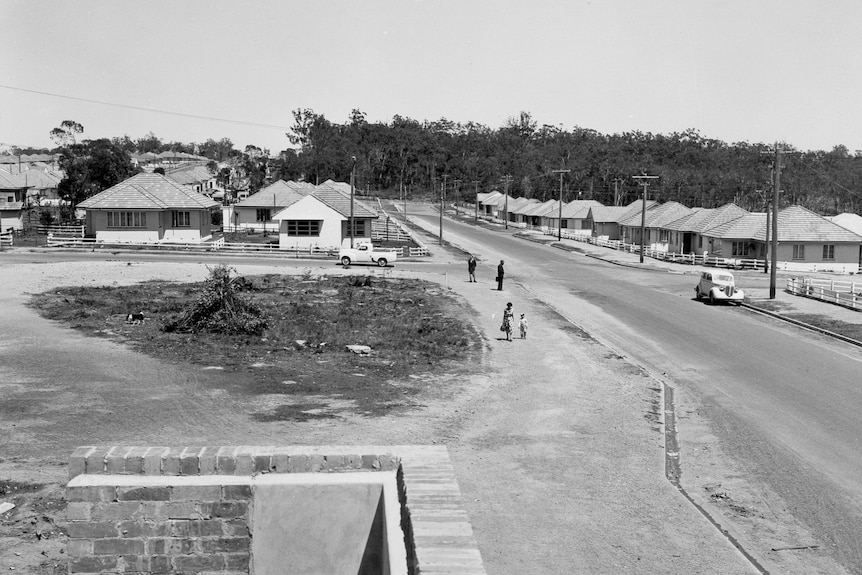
<point>135,318</point>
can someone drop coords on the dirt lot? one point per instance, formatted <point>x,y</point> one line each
<point>557,442</point>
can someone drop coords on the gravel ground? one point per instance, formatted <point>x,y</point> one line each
<point>558,443</point>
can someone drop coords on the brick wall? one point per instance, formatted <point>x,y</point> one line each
<point>188,509</point>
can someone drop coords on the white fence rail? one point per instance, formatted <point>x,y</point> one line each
<point>843,293</point>
<point>7,239</point>
<point>219,245</point>
<point>62,230</point>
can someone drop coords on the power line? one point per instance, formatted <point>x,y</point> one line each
<point>826,177</point>
<point>140,108</point>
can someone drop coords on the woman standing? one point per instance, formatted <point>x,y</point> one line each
<point>508,321</point>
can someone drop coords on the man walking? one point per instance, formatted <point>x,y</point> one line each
<point>500,272</point>
<point>471,268</point>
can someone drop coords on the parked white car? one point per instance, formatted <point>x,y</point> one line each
<point>718,286</point>
<point>366,253</point>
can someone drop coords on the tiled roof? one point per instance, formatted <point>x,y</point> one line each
<point>703,219</point>
<point>190,175</point>
<point>539,209</point>
<point>339,201</point>
<point>148,192</point>
<point>578,209</point>
<point>524,207</point>
<point>608,214</point>
<point>795,224</point>
<point>658,215</point>
<point>278,194</point>
<point>11,206</point>
<point>343,186</point>
<point>492,199</point>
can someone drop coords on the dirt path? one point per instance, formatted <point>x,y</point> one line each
<point>557,444</point>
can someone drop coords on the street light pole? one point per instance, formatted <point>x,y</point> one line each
<point>643,179</point>
<point>560,227</point>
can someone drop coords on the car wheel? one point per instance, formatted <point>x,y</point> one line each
<point>382,262</point>
<point>711,299</point>
<point>697,292</point>
<point>345,261</point>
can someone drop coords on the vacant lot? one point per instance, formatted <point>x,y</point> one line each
<point>411,326</point>
<point>103,380</point>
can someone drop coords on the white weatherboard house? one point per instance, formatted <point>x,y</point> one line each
<point>321,220</point>
<point>149,208</point>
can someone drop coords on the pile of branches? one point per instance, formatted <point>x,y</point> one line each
<point>219,309</point>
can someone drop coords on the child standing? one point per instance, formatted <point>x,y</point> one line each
<point>522,324</point>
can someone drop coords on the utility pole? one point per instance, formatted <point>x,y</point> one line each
<point>457,185</point>
<point>766,255</point>
<point>776,187</point>
<point>442,200</point>
<point>352,185</point>
<point>643,180</point>
<point>617,182</point>
<point>476,218</point>
<point>560,227</point>
<point>507,179</point>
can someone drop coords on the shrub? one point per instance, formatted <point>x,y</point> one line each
<point>219,308</point>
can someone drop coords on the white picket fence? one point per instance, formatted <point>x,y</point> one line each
<point>7,239</point>
<point>843,293</point>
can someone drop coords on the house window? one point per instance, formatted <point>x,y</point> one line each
<point>663,235</point>
<point>127,219</point>
<point>699,242</point>
<point>358,227</point>
<point>799,251</point>
<point>829,252</point>
<point>564,223</point>
<point>739,248</point>
<point>181,219</point>
<point>303,228</point>
<point>263,214</point>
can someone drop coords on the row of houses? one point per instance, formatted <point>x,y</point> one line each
<point>805,240</point>
<point>151,207</point>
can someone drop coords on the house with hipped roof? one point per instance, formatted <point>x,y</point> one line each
<point>806,241</point>
<point>196,177</point>
<point>686,233</point>
<point>657,236</point>
<point>604,221</point>
<point>256,211</point>
<point>492,204</point>
<point>149,207</point>
<point>574,217</point>
<point>518,208</point>
<point>322,219</point>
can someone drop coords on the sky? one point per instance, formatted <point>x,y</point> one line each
<point>734,70</point>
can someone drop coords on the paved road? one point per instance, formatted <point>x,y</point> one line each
<point>784,403</point>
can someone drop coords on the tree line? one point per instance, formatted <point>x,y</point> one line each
<point>413,158</point>
<point>692,169</point>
